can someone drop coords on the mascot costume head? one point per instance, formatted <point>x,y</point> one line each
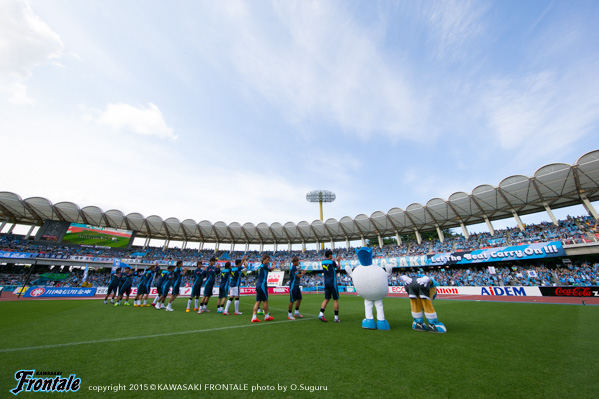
<point>371,284</point>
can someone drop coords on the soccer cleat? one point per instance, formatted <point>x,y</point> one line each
<point>153,305</point>
<point>260,312</point>
<point>238,313</point>
<point>382,325</point>
<point>368,324</point>
<point>117,304</point>
<point>437,327</point>
<point>170,309</point>
<point>186,310</point>
<point>196,309</point>
<point>419,326</point>
<point>337,320</point>
<point>256,320</point>
<point>206,310</point>
<point>321,318</point>
<point>225,313</point>
<point>291,318</point>
<point>298,316</point>
<point>200,312</point>
<point>127,304</point>
<point>268,318</point>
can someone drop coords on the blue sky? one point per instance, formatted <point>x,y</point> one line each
<point>234,110</point>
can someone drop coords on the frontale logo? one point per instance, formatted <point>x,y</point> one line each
<point>26,382</point>
<point>37,292</point>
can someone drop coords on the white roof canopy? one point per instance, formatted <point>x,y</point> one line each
<point>556,185</point>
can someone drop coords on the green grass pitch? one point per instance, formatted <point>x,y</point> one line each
<point>121,242</point>
<point>491,350</point>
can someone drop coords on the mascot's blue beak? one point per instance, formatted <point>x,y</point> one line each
<point>364,256</point>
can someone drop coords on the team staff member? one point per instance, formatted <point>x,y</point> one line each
<point>196,290</point>
<point>235,284</point>
<point>262,289</point>
<point>295,294</point>
<point>113,285</point>
<point>330,267</point>
<point>210,278</point>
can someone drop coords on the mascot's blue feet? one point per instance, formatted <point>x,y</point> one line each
<point>436,326</point>
<point>382,325</point>
<point>418,325</point>
<point>368,324</point>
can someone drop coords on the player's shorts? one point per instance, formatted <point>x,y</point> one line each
<point>331,292</point>
<point>261,294</point>
<point>165,289</point>
<point>233,291</point>
<point>176,289</point>
<point>125,290</point>
<point>416,290</point>
<point>196,290</point>
<point>142,289</point>
<point>112,288</point>
<point>208,290</point>
<point>295,294</point>
<point>223,291</point>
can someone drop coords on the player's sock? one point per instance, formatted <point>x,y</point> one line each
<point>227,307</point>
<point>145,302</point>
<point>188,303</point>
<point>196,304</point>
<point>237,306</point>
<point>289,314</point>
<point>105,302</point>
<point>321,312</point>
<point>254,317</point>
<point>155,300</point>
<point>336,315</point>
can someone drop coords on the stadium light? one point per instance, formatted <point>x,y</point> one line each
<point>321,196</point>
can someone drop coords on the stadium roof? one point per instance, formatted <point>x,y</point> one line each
<point>556,185</point>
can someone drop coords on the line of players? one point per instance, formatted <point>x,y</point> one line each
<point>204,279</point>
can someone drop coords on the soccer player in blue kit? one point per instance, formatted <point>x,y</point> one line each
<point>177,277</point>
<point>113,285</point>
<point>295,294</point>
<point>330,267</point>
<point>196,289</point>
<point>262,289</point>
<point>210,278</point>
<point>167,281</point>
<point>223,288</point>
<point>126,278</point>
<point>143,288</point>
<point>235,285</point>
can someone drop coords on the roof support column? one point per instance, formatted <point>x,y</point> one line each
<point>2,226</point>
<point>332,245</point>
<point>184,246</point>
<point>418,236</point>
<point>29,232</point>
<point>398,238</point>
<point>464,230</point>
<point>347,242</point>
<point>166,243</point>
<point>587,205</point>
<point>216,246</point>
<point>303,246</point>
<point>518,220</point>
<point>489,226</point>
<point>289,247</point>
<point>147,243</point>
<point>11,228</point>
<point>247,247</point>
<point>261,246</point>
<point>233,247</point>
<point>363,241</point>
<point>380,241</point>
<point>201,245</point>
<point>550,213</point>
<point>440,233</point>
<point>276,246</point>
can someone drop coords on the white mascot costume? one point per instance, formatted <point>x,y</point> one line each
<point>371,284</point>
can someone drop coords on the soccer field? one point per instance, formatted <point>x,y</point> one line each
<point>491,350</point>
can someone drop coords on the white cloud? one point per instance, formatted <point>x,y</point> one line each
<point>26,42</point>
<point>144,121</point>
<point>312,61</point>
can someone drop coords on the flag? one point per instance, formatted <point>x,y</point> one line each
<point>84,274</point>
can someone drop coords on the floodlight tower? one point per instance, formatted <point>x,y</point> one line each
<point>321,196</point>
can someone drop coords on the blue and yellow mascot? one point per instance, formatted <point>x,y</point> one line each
<point>422,290</point>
